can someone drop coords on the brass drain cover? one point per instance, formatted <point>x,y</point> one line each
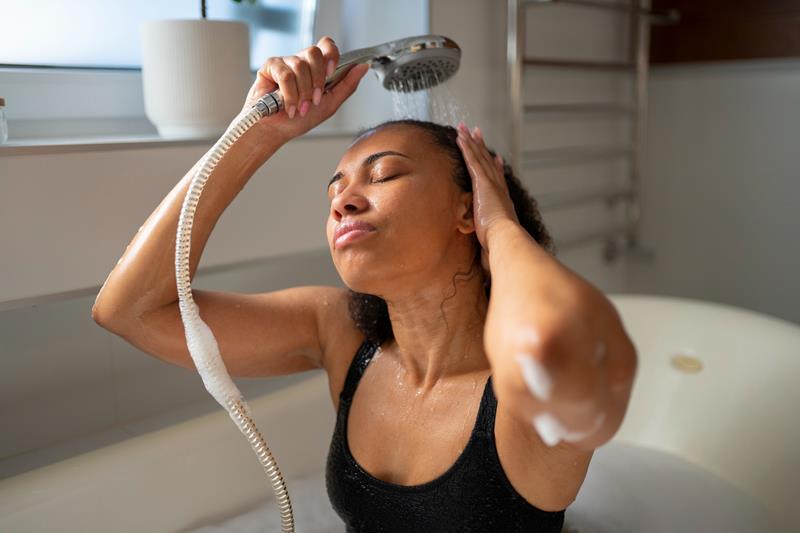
<point>688,364</point>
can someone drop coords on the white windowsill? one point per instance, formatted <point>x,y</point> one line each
<point>118,142</point>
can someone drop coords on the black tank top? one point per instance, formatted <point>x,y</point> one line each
<point>473,495</point>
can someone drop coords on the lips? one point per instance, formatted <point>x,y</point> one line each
<point>351,225</point>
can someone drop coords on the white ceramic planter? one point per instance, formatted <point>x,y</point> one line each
<point>196,74</point>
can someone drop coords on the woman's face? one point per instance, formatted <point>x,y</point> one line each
<point>401,183</point>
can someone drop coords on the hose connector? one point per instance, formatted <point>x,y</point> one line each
<point>269,104</point>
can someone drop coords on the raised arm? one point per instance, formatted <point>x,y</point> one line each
<point>138,300</point>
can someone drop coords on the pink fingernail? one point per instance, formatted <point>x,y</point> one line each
<point>291,111</point>
<point>317,96</point>
<point>304,107</point>
<point>330,68</point>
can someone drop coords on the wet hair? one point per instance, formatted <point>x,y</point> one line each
<point>370,313</point>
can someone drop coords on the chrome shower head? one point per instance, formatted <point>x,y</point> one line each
<point>404,65</point>
<point>409,64</point>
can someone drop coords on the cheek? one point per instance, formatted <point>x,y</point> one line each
<point>418,213</point>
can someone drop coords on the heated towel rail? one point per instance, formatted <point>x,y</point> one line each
<point>641,18</point>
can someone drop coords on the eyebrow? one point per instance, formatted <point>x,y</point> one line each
<point>370,159</point>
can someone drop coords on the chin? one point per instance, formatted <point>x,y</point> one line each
<point>358,284</point>
<point>366,281</point>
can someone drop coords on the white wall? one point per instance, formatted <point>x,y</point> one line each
<point>67,216</point>
<point>722,185</point>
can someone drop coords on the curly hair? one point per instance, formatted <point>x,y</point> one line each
<point>370,313</point>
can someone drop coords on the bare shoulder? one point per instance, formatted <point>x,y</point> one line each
<point>547,477</point>
<point>340,338</point>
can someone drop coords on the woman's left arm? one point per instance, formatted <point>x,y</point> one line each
<point>556,343</point>
<point>559,353</point>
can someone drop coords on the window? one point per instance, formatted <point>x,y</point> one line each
<point>84,78</point>
<point>103,34</point>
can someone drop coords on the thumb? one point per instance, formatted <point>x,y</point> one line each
<point>347,86</point>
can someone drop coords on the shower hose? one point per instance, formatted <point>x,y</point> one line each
<point>200,340</point>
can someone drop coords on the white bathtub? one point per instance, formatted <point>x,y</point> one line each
<point>710,451</point>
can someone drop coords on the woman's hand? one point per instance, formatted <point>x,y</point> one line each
<point>301,80</point>
<point>491,202</point>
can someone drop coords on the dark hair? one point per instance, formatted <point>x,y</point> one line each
<point>369,312</point>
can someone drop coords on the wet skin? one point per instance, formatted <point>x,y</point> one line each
<point>416,404</point>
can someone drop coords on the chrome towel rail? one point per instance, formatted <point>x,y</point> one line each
<point>636,65</point>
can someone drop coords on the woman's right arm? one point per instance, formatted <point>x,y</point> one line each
<point>261,334</point>
<point>144,277</point>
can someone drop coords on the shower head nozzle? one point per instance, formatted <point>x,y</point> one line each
<point>409,64</point>
<point>405,65</point>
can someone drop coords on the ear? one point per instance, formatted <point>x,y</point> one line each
<point>466,220</point>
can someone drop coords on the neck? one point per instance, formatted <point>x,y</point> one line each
<point>438,331</point>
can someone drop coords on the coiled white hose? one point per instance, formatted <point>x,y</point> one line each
<point>200,340</point>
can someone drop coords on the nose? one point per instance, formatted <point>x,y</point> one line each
<point>348,202</point>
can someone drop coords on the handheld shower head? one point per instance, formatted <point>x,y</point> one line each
<point>410,64</point>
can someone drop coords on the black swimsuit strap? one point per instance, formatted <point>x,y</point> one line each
<point>357,366</point>
<point>487,410</point>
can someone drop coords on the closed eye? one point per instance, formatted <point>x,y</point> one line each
<point>387,178</point>
<point>337,178</point>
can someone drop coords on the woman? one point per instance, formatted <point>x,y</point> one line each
<point>472,373</point>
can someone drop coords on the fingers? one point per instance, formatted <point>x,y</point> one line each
<point>277,71</point>
<point>302,72</point>
<point>496,160</point>
<point>475,160</point>
<point>301,77</point>
<point>316,63</point>
<point>473,142</point>
<point>331,54</point>
<point>483,151</point>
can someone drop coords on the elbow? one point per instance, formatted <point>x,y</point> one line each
<point>108,311</point>
<point>101,313</point>
<point>107,318</point>
<point>98,315</point>
<point>102,317</point>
